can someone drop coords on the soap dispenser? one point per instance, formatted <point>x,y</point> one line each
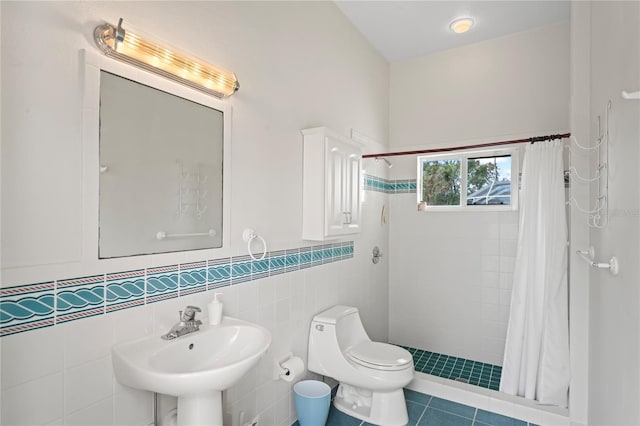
<point>215,310</point>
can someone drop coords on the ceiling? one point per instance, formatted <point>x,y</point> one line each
<point>402,30</point>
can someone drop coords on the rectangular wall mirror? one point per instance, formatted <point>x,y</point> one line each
<point>161,168</point>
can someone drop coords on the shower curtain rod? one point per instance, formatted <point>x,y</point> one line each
<point>533,139</point>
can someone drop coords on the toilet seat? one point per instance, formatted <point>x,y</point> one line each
<point>380,356</point>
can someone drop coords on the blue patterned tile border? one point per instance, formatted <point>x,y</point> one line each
<point>306,257</point>
<point>26,307</point>
<point>193,277</point>
<point>399,186</point>
<point>79,298</point>
<point>125,290</point>
<point>343,251</point>
<point>240,269</point>
<point>316,255</point>
<point>260,267</point>
<point>29,307</point>
<point>277,261</point>
<point>218,273</point>
<point>292,260</point>
<point>162,283</point>
<point>405,186</point>
<point>327,253</point>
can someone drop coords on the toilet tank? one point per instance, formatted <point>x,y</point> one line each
<point>348,326</point>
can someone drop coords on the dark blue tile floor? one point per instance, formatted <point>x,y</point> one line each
<point>427,410</point>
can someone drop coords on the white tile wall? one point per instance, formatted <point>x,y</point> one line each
<point>450,280</point>
<point>34,402</point>
<point>87,384</point>
<point>62,374</point>
<point>65,372</point>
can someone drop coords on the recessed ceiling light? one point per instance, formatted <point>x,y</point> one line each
<point>461,25</point>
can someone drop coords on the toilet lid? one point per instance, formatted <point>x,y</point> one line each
<point>380,356</point>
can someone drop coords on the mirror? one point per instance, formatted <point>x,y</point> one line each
<point>161,170</point>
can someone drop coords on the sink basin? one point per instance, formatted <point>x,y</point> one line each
<point>195,367</point>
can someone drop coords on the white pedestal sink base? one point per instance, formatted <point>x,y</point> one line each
<point>203,409</point>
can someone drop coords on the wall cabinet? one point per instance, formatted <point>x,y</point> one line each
<point>331,185</point>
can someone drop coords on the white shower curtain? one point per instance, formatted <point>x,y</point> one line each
<point>536,359</point>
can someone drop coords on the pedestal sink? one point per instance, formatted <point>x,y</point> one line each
<point>196,367</point>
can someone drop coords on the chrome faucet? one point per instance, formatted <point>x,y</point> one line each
<point>187,324</point>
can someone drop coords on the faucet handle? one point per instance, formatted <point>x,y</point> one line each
<point>189,313</point>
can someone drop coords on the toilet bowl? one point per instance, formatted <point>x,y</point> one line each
<point>371,374</point>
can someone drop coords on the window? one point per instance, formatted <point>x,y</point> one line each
<point>473,180</point>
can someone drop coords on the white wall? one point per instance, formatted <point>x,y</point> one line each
<point>578,221</point>
<point>300,64</point>
<point>450,274</point>
<point>614,331</point>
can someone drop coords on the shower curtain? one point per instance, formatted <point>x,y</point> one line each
<point>536,359</point>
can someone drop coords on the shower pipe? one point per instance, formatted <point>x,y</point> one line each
<point>480,145</point>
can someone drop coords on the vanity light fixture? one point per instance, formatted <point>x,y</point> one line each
<point>128,47</point>
<point>461,25</point>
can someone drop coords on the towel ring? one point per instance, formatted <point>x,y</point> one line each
<point>248,235</point>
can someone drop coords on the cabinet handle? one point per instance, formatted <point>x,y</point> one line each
<point>347,217</point>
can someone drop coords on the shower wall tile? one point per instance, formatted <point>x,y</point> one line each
<point>398,186</point>
<point>508,247</point>
<point>508,231</point>
<point>490,296</point>
<point>507,264</point>
<point>491,312</point>
<point>490,279</point>
<point>449,275</point>
<point>506,280</point>
<point>491,247</point>
<point>491,263</point>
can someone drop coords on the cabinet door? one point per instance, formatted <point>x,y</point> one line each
<point>343,188</point>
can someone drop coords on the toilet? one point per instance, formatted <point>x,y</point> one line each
<point>371,374</point>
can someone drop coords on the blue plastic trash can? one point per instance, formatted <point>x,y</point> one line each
<point>312,399</point>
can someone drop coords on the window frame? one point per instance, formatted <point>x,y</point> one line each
<point>463,157</point>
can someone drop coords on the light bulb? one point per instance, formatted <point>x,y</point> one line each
<point>461,25</point>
